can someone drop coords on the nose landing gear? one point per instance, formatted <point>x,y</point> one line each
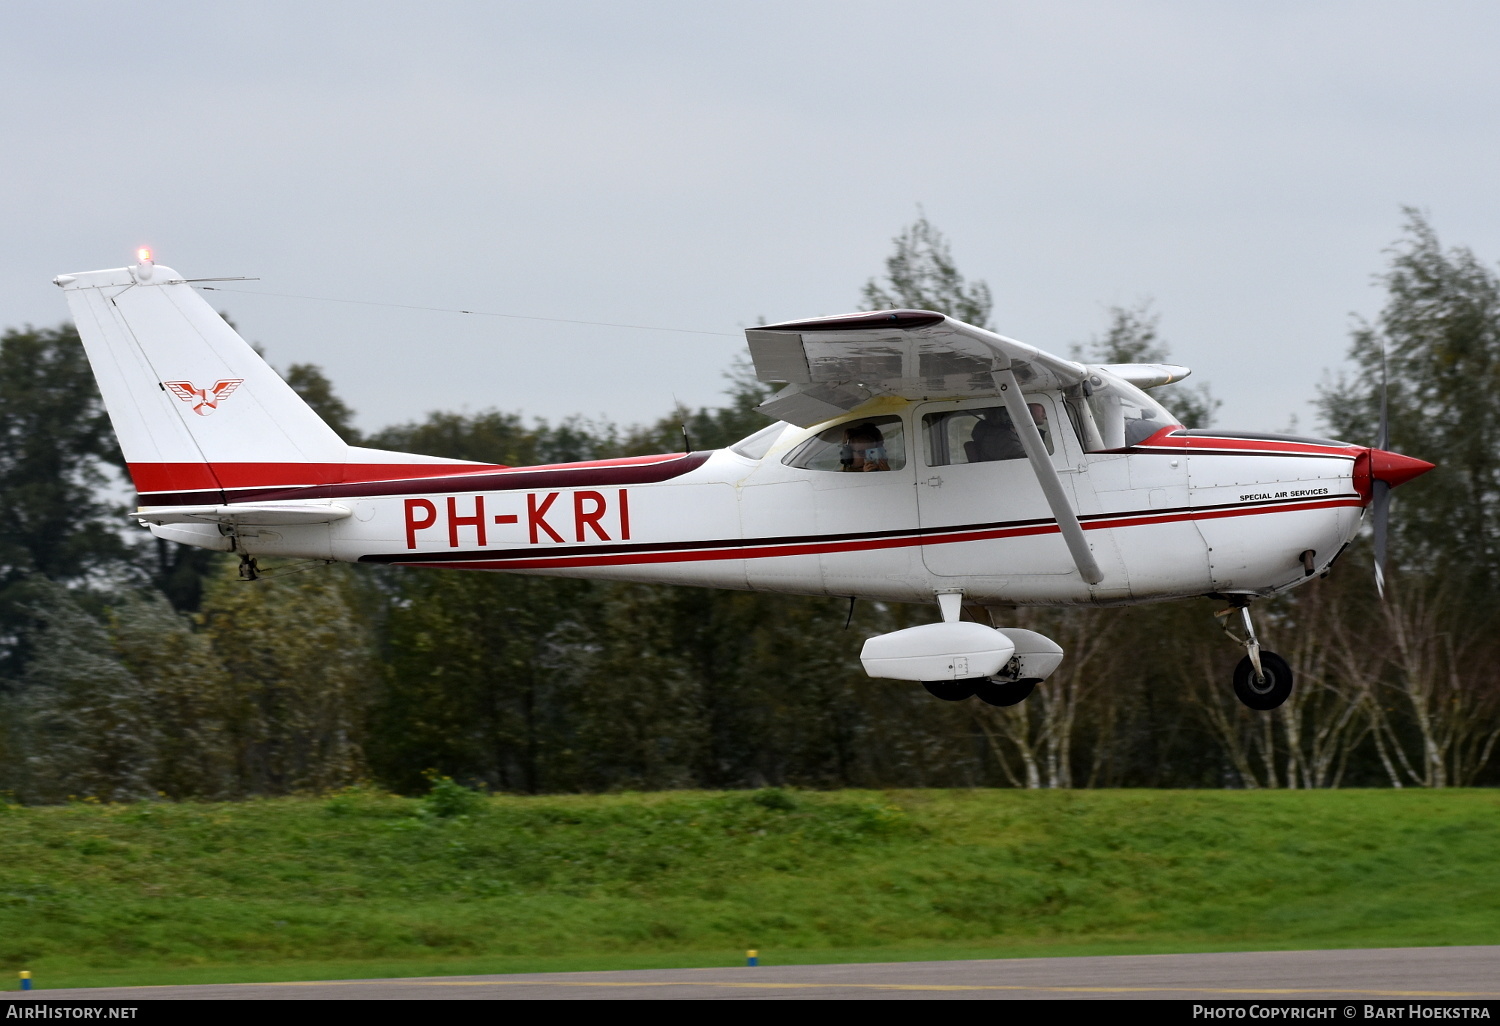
<point>1262,680</point>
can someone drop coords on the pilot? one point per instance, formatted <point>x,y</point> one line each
<point>995,438</point>
<point>864,449</point>
<point>1039,418</point>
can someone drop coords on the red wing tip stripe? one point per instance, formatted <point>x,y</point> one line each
<point>771,548</point>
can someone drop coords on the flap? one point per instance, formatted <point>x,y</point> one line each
<point>806,405</point>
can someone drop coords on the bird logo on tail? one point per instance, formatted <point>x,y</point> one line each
<point>204,400</point>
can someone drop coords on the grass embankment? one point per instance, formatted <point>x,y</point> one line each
<point>364,884</point>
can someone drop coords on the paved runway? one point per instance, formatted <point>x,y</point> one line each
<point>1373,974</point>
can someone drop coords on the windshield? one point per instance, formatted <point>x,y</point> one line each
<point>1121,414</point>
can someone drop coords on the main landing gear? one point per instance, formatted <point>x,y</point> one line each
<point>987,689</point>
<point>1262,680</point>
<point>961,659</point>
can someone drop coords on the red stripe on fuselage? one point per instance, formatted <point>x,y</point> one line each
<point>1168,439</point>
<point>772,549</point>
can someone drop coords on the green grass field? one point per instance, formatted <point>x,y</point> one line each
<point>364,884</point>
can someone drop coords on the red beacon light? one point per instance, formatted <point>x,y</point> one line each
<point>143,255</point>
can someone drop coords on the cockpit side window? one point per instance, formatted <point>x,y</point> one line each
<point>863,445</point>
<point>979,435</point>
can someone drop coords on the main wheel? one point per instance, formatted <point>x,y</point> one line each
<point>1005,692</point>
<point>1268,692</point>
<point>951,690</point>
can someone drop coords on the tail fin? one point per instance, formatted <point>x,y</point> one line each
<point>200,416</point>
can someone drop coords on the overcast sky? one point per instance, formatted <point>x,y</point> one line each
<point>700,165</point>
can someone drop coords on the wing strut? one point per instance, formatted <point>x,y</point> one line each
<point>1046,475</point>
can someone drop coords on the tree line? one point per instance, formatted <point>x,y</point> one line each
<point>134,668</point>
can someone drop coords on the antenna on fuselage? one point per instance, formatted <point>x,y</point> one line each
<point>687,442</point>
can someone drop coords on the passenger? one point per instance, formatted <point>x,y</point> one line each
<point>995,437</point>
<point>864,449</point>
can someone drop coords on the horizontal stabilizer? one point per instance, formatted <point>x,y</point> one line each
<point>268,515</point>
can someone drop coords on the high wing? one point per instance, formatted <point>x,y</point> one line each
<point>832,364</point>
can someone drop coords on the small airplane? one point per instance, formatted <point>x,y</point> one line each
<point>912,458</point>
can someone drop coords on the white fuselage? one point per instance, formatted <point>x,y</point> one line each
<point>1175,516</point>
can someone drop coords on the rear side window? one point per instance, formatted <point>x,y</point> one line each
<point>981,435</point>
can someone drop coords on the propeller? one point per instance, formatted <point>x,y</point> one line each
<point>1379,470</point>
<point>1380,493</point>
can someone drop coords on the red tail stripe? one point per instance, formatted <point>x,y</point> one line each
<point>189,477</point>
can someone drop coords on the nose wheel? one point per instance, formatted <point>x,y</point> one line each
<point>1262,680</point>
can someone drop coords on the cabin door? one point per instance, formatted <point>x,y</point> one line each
<point>979,504</point>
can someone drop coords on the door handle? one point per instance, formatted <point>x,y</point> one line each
<point>933,482</point>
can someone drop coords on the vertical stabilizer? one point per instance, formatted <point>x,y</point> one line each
<point>191,402</point>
